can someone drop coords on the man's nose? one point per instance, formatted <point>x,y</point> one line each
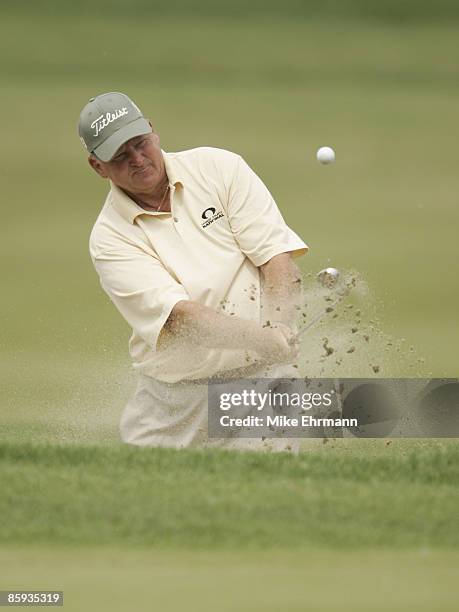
<point>135,158</point>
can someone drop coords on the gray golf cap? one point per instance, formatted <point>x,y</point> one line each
<point>108,121</point>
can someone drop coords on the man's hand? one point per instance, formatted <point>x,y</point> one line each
<point>278,344</point>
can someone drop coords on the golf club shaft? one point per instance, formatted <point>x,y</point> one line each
<point>321,315</point>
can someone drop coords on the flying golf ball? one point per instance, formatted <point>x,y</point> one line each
<point>328,277</point>
<point>326,155</point>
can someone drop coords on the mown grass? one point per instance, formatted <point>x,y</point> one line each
<point>406,11</point>
<point>116,580</point>
<point>220,500</point>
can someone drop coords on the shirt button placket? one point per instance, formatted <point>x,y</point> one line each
<point>175,219</point>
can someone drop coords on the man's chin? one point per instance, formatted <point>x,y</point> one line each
<point>143,182</point>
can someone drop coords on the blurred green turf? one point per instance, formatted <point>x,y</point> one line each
<point>397,497</point>
<point>378,10</point>
<point>349,526</point>
<point>116,580</point>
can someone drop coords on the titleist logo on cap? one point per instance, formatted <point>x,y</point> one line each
<point>101,122</point>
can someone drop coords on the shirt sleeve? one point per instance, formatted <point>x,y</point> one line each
<point>141,288</point>
<point>255,219</point>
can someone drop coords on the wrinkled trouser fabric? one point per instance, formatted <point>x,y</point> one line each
<point>175,416</point>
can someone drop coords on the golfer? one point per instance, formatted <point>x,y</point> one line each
<point>194,253</point>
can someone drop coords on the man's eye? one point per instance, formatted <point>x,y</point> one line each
<point>119,158</point>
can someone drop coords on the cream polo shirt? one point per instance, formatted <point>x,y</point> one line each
<point>223,224</point>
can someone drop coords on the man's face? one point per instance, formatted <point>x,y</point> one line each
<point>136,167</point>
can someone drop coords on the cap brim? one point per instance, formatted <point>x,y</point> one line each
<point>109,147</point>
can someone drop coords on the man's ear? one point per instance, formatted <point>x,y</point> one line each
<point>154,135</point>
<point>97,166</point>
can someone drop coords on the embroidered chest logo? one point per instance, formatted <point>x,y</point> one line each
<point>210,215</point>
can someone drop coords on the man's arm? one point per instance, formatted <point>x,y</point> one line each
<point>160,311</point>
<point>274,341</point>
<point>282,293</point>
<point>201,325</point>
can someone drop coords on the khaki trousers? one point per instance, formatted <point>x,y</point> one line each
<point>175,415</point>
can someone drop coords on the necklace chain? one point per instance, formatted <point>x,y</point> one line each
<point>159,209</point>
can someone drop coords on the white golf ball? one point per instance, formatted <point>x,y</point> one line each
<point>326,155</point>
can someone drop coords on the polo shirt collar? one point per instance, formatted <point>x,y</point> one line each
<point>127,208</point>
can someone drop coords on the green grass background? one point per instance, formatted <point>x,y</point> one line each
<point>344,526</point>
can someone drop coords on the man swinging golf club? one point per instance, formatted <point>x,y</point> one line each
<point>194,253</point>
